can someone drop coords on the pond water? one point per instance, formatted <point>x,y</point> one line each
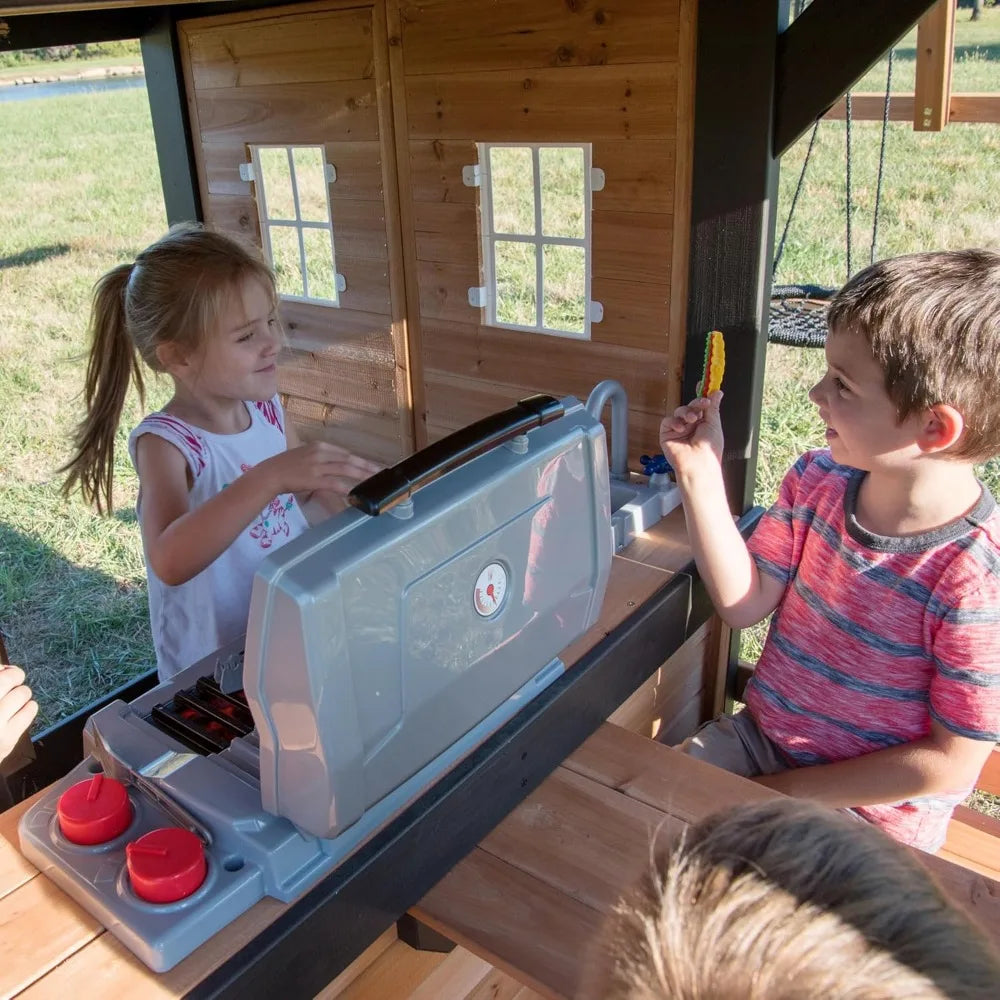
<point>59,88</point>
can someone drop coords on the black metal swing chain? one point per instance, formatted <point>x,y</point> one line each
<point>807,328</point>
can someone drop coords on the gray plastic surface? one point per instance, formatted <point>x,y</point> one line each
<point>369,673</point>
<point>366,656</point>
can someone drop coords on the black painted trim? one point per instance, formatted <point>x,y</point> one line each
<point>171,126</point>
<point>37,31</point>
<point>734,192</point>
<point>825,49</point>
<point>321,934</point>
<point>419,936</point>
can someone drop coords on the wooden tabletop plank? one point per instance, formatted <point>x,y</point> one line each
<point>39,928</point>
<point>581,838</point>
<point>530,930</point>
<point>15,869</point>
<point>500,986</point>
<point>665,545</point>
<point>106,960</point>
<point>629,584</point>
<point>651,773</point>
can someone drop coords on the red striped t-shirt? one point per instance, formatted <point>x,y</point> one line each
<point>874,635</point>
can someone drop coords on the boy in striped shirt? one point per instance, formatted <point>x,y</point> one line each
<point>878,688</point>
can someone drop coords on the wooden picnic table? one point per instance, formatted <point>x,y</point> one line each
<point>50,944</point>
<point>523,905</point>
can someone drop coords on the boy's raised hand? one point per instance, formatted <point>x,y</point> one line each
<point>693,432</point>
<point>17,708</point>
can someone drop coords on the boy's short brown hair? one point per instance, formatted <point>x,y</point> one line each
<point>789,900</point>
<point>933,323</point>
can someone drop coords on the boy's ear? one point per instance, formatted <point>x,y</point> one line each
<point>942,426</point>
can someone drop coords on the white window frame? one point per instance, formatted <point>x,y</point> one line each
<point>538,240</point>
<point>299,224</point>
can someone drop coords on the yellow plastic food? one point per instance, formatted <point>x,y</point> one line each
<point>715,364</point>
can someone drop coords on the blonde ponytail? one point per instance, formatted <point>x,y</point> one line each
<point>113,361</point>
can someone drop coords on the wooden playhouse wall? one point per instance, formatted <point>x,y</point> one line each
<point>617,75</point>
<point>315,74</point>
<point>399,93</point>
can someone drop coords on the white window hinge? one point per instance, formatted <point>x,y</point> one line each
<point>246,172</point>
<point>340,282</point>
<point>477,297</point>
<point>472,176</point>
<point>596,179</point>
<point>596,312</point>
<point>331,173</point>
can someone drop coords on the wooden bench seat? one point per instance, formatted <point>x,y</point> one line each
<point>538,889</point>
<point>974,838</point>
<point>390,968</point>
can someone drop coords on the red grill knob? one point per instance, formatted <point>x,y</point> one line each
<point>166,865</point>
<point>94,811</point>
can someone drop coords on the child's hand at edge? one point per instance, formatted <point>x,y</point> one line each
<point>693,432</point>
<point>17,708</point>
<point>317,467</point>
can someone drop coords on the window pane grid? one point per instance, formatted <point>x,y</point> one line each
<point>297,287</point>
<point>563,295</point>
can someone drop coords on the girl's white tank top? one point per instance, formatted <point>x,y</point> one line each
<point>194,619</point>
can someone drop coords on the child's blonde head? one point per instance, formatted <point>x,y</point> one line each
<point>176,292</point>
<point>933,323</point>
<point>787,900</point>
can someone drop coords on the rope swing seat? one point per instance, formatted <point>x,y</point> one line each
<point>797,316</point>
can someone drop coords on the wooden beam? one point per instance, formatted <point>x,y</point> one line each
<point>935,41</point>
<point>734,191</point>
<point>824,50</point>
<point>982,108</point>
<point>122,7</point>
<point>171,132</point>
<point>37,31</point>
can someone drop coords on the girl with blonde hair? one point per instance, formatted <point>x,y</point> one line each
<point>219,468</point>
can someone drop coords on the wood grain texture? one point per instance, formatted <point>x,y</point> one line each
<point>557,364</point>
<point>497,911</point>
<point>633,247</point>
<point>394,175</point>
<point>639,173</point>
<point>310,48</point>
<point>934,56</point>
<point>629,585</point>
<point>656,706</point>
<point>545,105</point>
<point>482,34</point>
<point>300,113</point>
<point>542,838</point>
<point>358,166</point>
<point>374,436</point>
<point>40,927</point>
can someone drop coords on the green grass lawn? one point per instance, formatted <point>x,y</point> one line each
<point>82,194</point>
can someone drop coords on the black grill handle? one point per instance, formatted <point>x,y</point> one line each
<point>391,486</point>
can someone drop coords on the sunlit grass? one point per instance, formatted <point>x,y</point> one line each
<point>82,193</point>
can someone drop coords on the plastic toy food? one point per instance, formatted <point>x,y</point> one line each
<point>715,364</point>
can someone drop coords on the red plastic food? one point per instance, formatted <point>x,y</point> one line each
<point>94,811</point>
<point>166,865</point>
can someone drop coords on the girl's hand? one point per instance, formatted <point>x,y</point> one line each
<point>17,708</point>
<point>693,432</point>
<point>317,466</point>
